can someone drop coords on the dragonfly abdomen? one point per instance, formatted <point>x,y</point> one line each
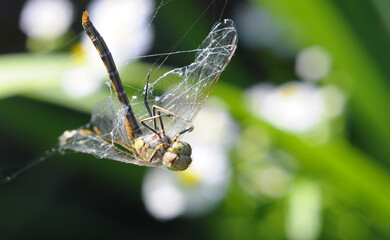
<point>132,129</point>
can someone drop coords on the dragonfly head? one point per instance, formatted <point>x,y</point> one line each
<point>178,157</point>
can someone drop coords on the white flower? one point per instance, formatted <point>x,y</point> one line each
<point>198,189</point>
<point>294,106</point>
<point>313,63</point>
<point>46,19</point>
<point>125,27</point>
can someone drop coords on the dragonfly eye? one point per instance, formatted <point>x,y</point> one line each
<point>176,162</point>
<point>181,148</point>
<point>177,158</point>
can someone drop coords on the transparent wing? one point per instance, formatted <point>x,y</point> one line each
<point>111,142</point>
<point>104,116</point>
<point>187,88</point>
<point>82,140</point>
<point>107,117</point>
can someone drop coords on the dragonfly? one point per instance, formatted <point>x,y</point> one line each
<point>153,139</point>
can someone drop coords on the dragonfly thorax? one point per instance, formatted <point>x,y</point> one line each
<point>175,155</point>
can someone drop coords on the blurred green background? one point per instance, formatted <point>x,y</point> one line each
<point>330,181</point>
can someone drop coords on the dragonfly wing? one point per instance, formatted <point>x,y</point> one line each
<point>187,88</point>
<point>85,141</point>
<point>108,118</point>
<point>104,114</point>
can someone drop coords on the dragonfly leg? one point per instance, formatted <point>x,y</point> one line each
<point>155,152</point>
<point>160,110</point>
<point>155,108</point>
<point>157,114</point>
<point>154,130</point>
<point>146,98</point>
<point>168,113</point>
<point>190,129</point>
<point>161,122</point>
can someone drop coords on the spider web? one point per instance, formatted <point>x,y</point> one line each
<point>182,91</point>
